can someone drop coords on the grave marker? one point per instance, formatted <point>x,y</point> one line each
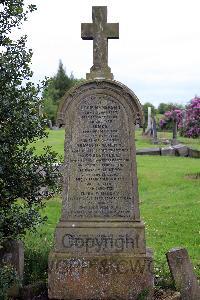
<point>183,274</point>
<point>100,250</point>
<point>155,136</point>
<point>149,129</point>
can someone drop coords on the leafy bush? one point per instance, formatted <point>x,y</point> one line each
<point>23,174</point>
<point>8,277</point>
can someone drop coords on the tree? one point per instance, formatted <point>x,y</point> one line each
<point>23,173</point>
<point>164,107</point>
<point>62,82</point>
<point>55,89</point>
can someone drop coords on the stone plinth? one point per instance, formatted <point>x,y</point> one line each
<point>116,276</point>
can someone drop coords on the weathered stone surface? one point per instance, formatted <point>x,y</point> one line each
<point>154,127</point>
<point>34,291</point>
<point>100,166</point>
<point>174,142</point>
<point>149,130</point>
<point>183,274</point>
<point>175,129</point>
<point>100,277</point>
<point>149,151</point>
<point>100,219</point>
<point>194,153</point>
<point>100,250</point>
<point>100,31</point>
<point>168,151</point>
<point>164,141</point>
<point>13,254</point>
<point>101,237</point>
<point>181,150</point>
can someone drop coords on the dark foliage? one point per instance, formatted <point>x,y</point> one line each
<point>23,174</point>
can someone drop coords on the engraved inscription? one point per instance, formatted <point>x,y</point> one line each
<point>99,160</point>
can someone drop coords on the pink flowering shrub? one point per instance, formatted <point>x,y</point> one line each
<point>170,117</point>
<point>188,120</point>
<point>191,128</point>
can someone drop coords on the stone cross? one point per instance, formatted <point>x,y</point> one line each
<point>100,31</point>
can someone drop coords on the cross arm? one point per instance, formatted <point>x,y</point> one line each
<point>112,30</point>
<point>87,31</point>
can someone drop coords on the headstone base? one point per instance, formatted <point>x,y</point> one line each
<point>99,73</point>
<point>116,276</point>
<point>100,237</point>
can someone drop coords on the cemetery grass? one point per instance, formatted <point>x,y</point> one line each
<point>169,204</point>
<point>56,140</point>
<point>166,190</point>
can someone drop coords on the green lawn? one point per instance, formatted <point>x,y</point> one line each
<point>56,140</point>
<point>145,142</point>
<point>169,203</point>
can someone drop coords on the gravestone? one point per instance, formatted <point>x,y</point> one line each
<point>148,130</point>
<point>184,117</point>
<point>155,136</point>
<point>13,254</point>
<point>174,132</point>
<point>183,274</point>
<point>100,250</point>
<point>168,151</point>
<point>149,118</point>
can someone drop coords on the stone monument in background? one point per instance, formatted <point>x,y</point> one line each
<point>100,250</point>
<point>149,130</point>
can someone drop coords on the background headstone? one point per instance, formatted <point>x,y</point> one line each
<point>13,254</point>
<point>149,118</point>
<point>181,150</point>
<point>193,153</point>
<point>155,136</point>
<point>149,151</point>
<point>149,129</point>
<point>174,132</point>
<point>184,115</point>
<point>183,274</point>
<point>50,124</point>
<point>168,151</point>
